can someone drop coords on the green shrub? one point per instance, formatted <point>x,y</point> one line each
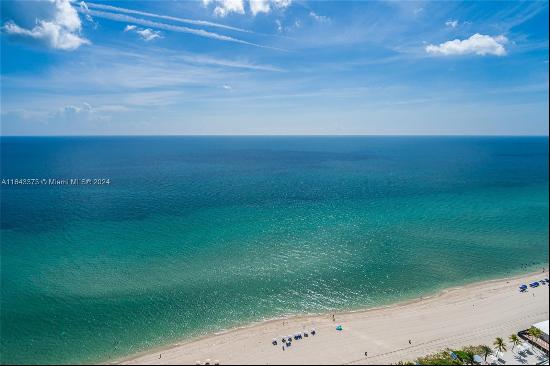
<point>465,356</point>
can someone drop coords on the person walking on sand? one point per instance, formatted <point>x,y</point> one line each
<point>410,341</point>
<point>333,319</point>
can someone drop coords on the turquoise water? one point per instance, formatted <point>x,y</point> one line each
<point>198,234</point>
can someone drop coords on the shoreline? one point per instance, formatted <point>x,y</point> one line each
<point>182,346</point>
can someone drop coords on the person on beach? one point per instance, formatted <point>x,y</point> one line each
<point>333,319</point>
<point>410,341</point>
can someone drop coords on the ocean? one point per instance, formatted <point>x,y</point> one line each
<point>193,235</point>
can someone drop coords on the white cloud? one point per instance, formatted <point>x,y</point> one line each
<point>282,4</point>
<point>225,7</point>
<point>146,34</point>
<point>259,6</point>
<point>62,32</point>
<point>451,23</point>
<point>227,87</point>
<point>319,18</point>
<point>478,44</point>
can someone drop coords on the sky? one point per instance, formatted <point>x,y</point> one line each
<point>274,67</point>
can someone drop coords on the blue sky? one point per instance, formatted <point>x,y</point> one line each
<point>274,67</point>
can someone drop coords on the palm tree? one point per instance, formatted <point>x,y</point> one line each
<point>500,345</point>
<point>486,351</point>
<point>515,340</point>
<point>534,332</point>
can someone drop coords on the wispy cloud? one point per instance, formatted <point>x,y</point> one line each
<point>477,44</point>
<point>160,16</point>
<point>111,74</point>
<point>174,28</point>
<point>238,64</point>
<point>319,18</point>
<point>451,23</point>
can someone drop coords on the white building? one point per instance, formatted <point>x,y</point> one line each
<point>543,326</point>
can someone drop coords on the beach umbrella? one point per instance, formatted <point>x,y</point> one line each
<point>478,359</point>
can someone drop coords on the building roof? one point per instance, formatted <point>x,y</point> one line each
<point>543,326</point>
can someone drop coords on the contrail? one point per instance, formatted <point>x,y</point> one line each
<point>175,28</point>
<point>167,17</point>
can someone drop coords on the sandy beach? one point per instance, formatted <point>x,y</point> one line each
<point>469,315</point>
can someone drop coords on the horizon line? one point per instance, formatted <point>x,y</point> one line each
<point>285,135</point>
